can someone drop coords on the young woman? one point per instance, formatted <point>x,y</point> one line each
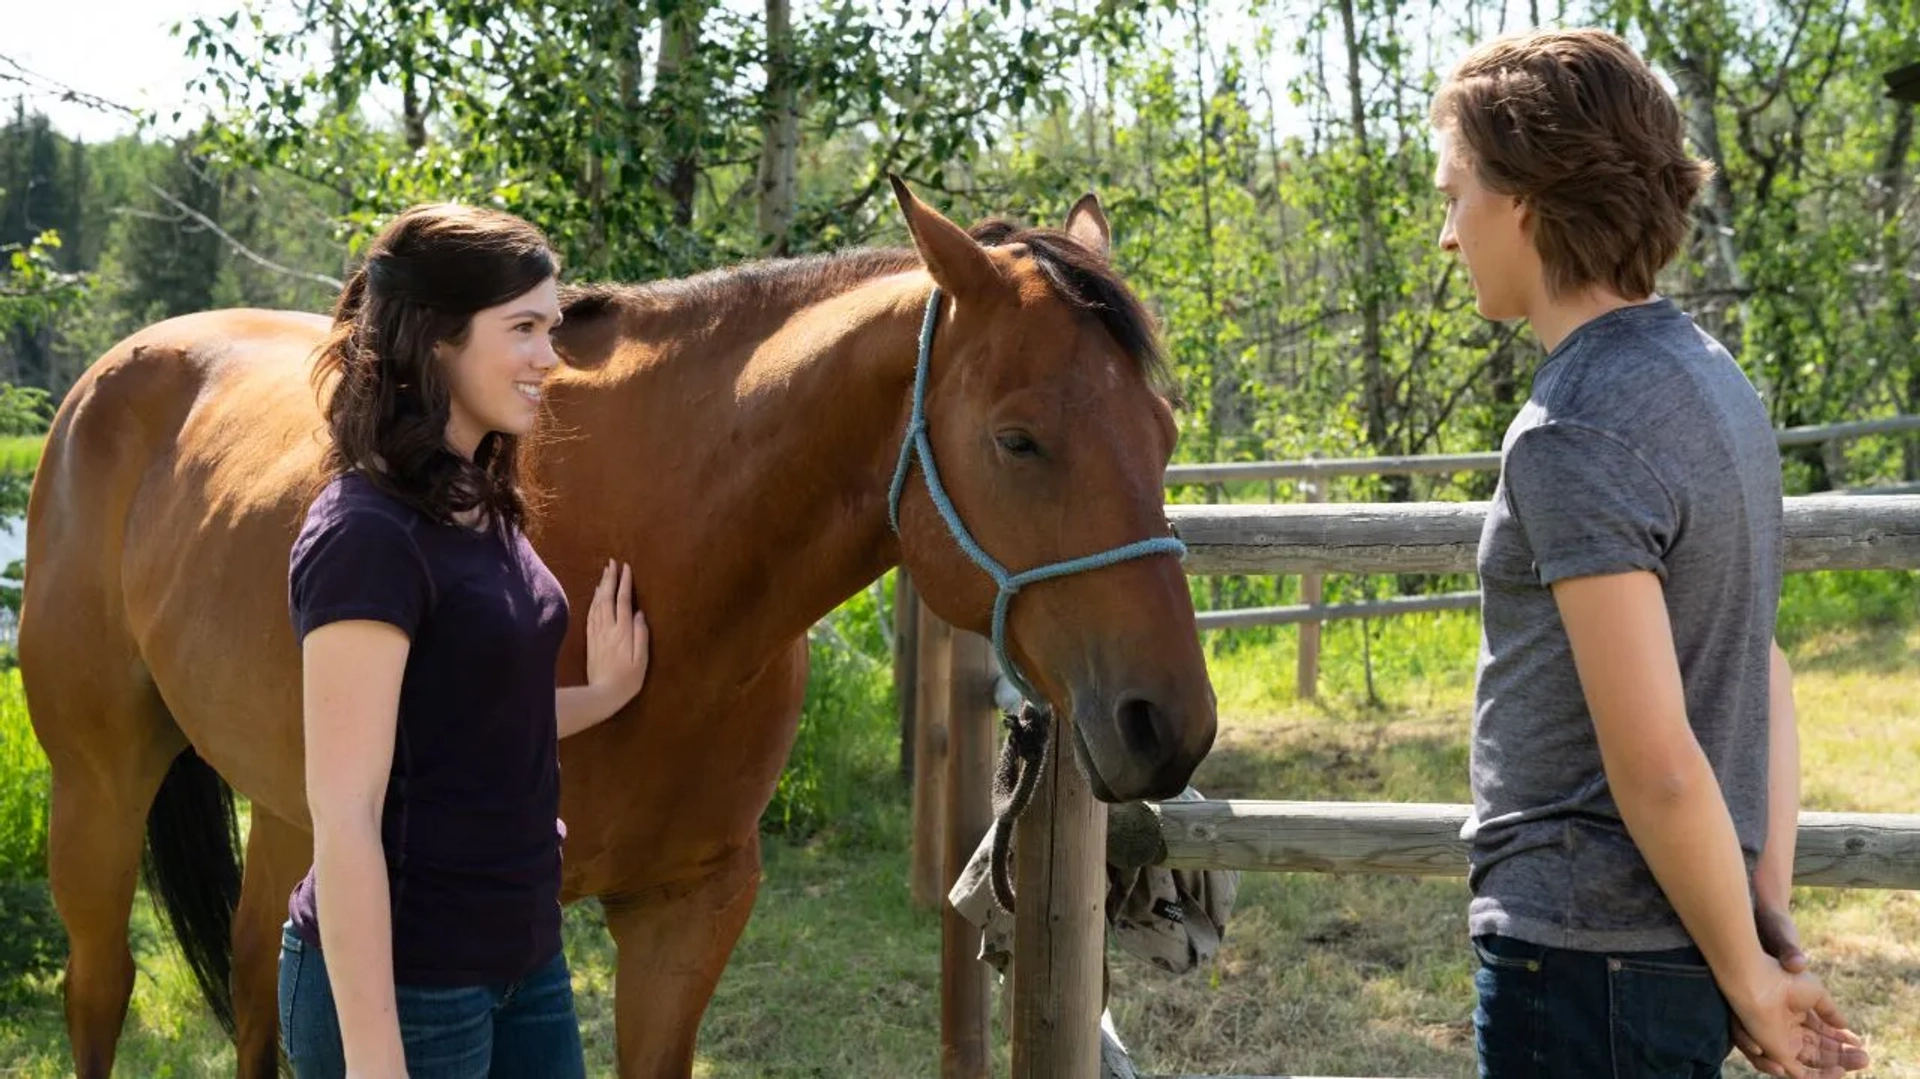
<point>425,940</point>
<point>1634,767</point>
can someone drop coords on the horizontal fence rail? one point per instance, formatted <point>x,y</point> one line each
<point>1293,614</point>
<point>1883,489</point>
<point>1829,432</point>
<point>1237,471</point>
<point>1835,850</point>
<point>1823,532</point>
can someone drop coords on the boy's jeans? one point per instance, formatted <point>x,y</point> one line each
<point>1567,1014</point>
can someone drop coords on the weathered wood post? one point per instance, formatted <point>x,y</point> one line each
<point>1059,925</point>
<point>965,988</point>
<point>1307,665</point>
<point>906,663</point>
<point>930,751</point>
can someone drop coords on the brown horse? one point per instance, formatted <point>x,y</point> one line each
<point>734,436</point>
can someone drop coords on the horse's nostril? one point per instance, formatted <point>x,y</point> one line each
<point>1139,722</point>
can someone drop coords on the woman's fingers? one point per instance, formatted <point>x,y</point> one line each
<point>623,596</point>
<point>604,597</point>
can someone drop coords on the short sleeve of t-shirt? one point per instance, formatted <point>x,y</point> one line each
<point>1587,503</point>
<point>357,564</point>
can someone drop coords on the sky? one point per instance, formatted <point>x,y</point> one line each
<point>117,49</point>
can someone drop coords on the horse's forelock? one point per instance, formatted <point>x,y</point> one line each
<point>1086,280</point>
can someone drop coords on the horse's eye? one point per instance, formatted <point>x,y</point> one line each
<point>1019,444</point>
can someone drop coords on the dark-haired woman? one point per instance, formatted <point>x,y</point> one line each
<point>425,940</point>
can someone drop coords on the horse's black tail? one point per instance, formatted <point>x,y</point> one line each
<point>193,872</point>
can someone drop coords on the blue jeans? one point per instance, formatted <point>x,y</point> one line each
<point>1566,1014</point>
<point>521,1029</point>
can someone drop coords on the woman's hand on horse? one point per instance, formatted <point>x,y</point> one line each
<point>616,637</point>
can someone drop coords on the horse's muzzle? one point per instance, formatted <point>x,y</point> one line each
<point>1138,749</point>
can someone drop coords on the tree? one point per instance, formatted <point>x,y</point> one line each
<point>41,180</point>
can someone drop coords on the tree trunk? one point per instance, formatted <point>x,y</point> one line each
<point>682,103</point>
<point>1698,96</point>
<point>780,127</point>
<point>1376,387</point>
<point>1220,381</point>
<point>1220,400</point>
<point>1906,327</point>
<point>412,116</point>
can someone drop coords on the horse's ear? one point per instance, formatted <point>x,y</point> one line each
<point>1087,224</point>
<point>590,327</point>
<point>958,264</point>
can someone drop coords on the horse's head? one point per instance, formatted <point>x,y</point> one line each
<point>1051,433</point>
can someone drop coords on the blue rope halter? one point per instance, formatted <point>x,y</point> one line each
<point>917,445</point>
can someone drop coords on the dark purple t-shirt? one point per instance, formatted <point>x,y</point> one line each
<point>470,826</point>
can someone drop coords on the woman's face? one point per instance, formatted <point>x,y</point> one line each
<point>495,376</point>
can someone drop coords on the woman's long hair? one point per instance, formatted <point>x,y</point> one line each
<point>424,277</point>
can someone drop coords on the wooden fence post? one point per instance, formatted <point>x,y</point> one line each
<point>1060,886</point>
<point>930,751</point>
<point>1307,667</point>
<point>906,663</point>
<point>965,989</point>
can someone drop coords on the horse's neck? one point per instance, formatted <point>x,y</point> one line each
<point>751,470</point>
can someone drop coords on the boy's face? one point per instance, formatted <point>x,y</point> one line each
<point>1488,231</point>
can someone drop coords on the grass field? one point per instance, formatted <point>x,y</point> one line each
<point>1328,975</point>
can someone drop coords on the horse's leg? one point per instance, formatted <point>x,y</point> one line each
<point>95,836</point>
<point>278,855</point>
<point>673,945</point>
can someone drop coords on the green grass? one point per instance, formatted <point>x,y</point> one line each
<point>20,454</point>
<point>837,974</point>
<point>848,739</point>
<point>24,787</point>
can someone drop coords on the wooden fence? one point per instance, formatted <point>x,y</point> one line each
<point>1431,464</point>
<point>1066,836</point>
<point>1314,475</point>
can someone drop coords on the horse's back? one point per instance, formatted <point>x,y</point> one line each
<point>166,500</point>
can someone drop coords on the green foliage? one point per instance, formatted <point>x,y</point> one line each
<point>34,290</point>
<point>25,784</point>
<point>845,755</point>
<point>1843,600</point>
<point>167,262</point>
<point>33,943</point>
<point>25,412</point>
<point>43,181</point>
<point>637,163</point>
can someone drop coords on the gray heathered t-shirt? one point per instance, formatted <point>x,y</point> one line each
<point>1642,447</point>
